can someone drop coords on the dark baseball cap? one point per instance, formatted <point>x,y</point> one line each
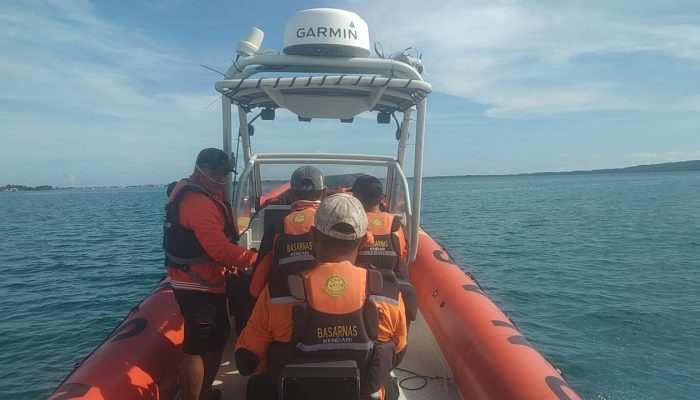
<point>367,188</point>
<point>306,179</point>
<point>217,160</point>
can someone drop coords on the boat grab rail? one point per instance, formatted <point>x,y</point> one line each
<point>376,92</point>
<point>248,66</point>
<point>315,156</point>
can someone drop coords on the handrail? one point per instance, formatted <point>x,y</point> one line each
<point>315,156</point>
<point>248,66</point>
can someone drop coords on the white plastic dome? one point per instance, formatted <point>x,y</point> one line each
<point>327,32</point>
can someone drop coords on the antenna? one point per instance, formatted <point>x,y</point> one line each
<point>212,69</point>
<point>213,101</point>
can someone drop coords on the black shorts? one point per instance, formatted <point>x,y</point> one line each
<point>206,321</point>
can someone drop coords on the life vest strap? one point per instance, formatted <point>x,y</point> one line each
<point>385,300</point>
<point>296,287</point>
<point>372,252</point>
<point>182,264</point>
<point>291,259</point>
<point>335,346</point>
<point>283,300</point>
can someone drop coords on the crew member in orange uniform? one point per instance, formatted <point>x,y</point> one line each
<point>388,252</point>
<point>389,248</point>
<point>199,240</point>
<point>289,249</point>
<point>337,317</point>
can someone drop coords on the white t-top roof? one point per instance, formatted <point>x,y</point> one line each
<point>326,96</point>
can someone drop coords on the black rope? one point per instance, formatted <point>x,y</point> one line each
<point>379,50</point>
<point>426,379</point>
<point>234,63</point>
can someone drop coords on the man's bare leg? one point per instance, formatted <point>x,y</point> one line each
<point>191,376</point>
<point>212,361</point>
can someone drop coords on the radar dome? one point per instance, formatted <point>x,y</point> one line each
<point>326,32</point>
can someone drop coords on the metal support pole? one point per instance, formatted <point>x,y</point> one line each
<point>245,136</point>
<point>405,129</point>
<point>226,112</point>
<point>417,178</point>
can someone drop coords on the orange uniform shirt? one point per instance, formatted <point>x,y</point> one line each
<point>273,322</point>
<point>199,214</point>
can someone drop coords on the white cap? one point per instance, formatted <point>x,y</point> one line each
<point>341,216</point>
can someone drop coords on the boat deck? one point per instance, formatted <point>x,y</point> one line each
<point>423,373</point>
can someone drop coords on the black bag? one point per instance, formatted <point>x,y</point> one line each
<point>240,301</point>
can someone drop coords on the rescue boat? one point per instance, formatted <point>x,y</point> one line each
<point>461,346</point>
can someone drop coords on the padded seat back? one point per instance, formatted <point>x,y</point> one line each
<point>337,380</point>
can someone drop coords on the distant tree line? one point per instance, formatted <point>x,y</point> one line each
<point>679,166</point>
<point>22,188</point>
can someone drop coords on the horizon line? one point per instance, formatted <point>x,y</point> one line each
<point>574,172</point>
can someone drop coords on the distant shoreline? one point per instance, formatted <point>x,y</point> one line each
<point>679,166</point>
<point>46,188</point>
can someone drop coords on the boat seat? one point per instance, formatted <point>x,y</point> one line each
<point>272,215</point>
<point>337,380</point>
<point>266,219</point>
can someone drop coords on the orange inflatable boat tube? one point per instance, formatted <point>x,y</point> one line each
<point>489,357</point>
<point>137,361</point>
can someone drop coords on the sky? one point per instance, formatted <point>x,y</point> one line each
<point>113,92</point>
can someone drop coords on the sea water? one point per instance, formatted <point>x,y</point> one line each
<point>600,272</point>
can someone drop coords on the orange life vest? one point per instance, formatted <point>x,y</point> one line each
<point>338,321</point>
<point>385,255</point>
<point>292,252</point>
<point>385,252</point>
<point>181,247</point>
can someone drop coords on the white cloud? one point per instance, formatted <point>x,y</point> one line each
<point>86,88</point>
<point>83,88</point>
<point>556,100</point>
<point>64,56</point>
<point>690,103</point>
<point>64,44</point>
<point>75,86</point>
<point>523,57</point>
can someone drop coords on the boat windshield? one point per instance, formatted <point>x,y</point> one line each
<point>262,186</point>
